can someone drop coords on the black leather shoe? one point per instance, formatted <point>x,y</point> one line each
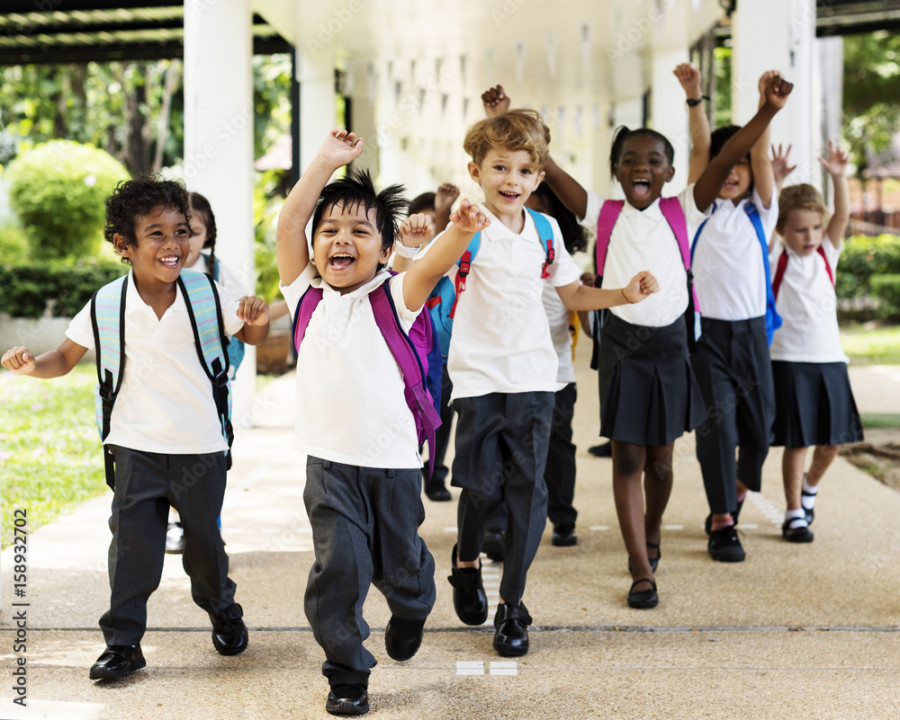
<point>229,634</point>
<point>511,636</point>
<point>117,662</point>
<point>436,492</point>
<point>469,600</point>
<point>564,536</point>
<point>402,637</point>
<point>643,599</point>
<point>347,700</point>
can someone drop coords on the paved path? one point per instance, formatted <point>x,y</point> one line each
<point>811,631</point>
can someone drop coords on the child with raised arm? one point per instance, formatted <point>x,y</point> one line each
<point>648,395</point>
<point>732,364</point>
<point>165,428</point>
<point>504,366</point>
<point>363,471</point>
<point>815,406</point>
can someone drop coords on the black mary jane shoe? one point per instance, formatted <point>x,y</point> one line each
<point>118,661</point>
<point>403,637</point>
<point>347,700</point>
<point>643,599</point>
<point>469,599</point>
<point>511,636</point>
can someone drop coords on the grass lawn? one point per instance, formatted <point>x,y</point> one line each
<point>868,345</point>
<point>50,453</point>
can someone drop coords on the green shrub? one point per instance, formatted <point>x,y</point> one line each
<point>887,289</point>
<point>864,256</point>
<point>25,289</point>
<point>13,245</point>
<point>59,190</point>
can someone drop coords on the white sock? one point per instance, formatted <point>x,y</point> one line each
<point>808,496</point>
<point>795,518</point>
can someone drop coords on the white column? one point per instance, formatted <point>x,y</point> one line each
<point>318,109</point>
<point>778,35</point>
<point>218,144</point>
<point>669,113</point>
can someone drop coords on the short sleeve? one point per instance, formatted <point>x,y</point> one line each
<point>407,316</point>
<point>769,216</point>
<point>81,330</point>
<point>592,213</point>
<point>563,270</point>
<point>229,305</point>
<point>293,292</point>
<point>693,216</point>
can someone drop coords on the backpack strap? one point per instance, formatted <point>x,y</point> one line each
<point>205,312</point>
<point>305,308</point>
<point>108,322</point>
<point>674,215</point>
<point>414,377</point>
<point>545,233</point>
<point>782,266</point>
<point>773,319</point>
<point>464,264</point>
<point>609,214</point>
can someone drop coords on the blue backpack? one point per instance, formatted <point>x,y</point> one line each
<point>417,353</point>
<point>235,346</point>
<point>773,319</point>
<point>108,321</point>
<point>441,303</point>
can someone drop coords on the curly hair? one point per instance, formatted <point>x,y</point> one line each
<point>358,189</point>
<point>139,197</point>
<point>520,129</point>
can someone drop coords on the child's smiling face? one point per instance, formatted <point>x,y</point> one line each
<point>737,184</point>
<point>347,247</point>
<point>507,178</point>
<point>803,231</point>
<point>161,247</point>
<point>643,169</point>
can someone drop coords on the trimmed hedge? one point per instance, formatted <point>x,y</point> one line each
<point>25,289</point>
<point>864,256</point>
<point>887,289</point>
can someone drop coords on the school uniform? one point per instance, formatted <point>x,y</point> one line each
<point>648,393</point>
<point>167,441</point>
<point>815,405</point>
<point>504,371</point>
<point>363,473</point>
<point>732,359</point>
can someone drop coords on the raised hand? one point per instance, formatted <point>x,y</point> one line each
<point>780,163</point>
<point>774,89</point>
<point>495,100</point>
<point>469,218</point>
<point>416,230</point>
<point>689,77</point>
<point>445,197</point>
<point>341,147</point>
<point>836,164</point>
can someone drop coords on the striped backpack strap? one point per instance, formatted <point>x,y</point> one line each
<point>205,312</point>
<point>108,322</point>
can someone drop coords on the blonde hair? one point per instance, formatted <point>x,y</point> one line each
<point>517,130</point>
<point>800,197</point>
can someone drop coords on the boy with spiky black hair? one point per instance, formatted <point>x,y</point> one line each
<point>363,469</point>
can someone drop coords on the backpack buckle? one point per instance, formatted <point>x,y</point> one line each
<point>221,379</point>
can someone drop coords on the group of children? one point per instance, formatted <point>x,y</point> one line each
<point>662,260</point>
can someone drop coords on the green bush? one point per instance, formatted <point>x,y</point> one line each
<point>887,289</point>
<point>25,289</point>
<point>59,190</point>
<point>13,245</point>
<point>864,256</point>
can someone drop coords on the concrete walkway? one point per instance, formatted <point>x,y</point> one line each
<point>795,631</point>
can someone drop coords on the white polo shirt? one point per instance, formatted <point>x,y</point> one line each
<point>165,403</point>
<point>728,261</point>
<point>350,391</point>
<point>501,337</point>
<point>808,306</point>
<point>643,240</point>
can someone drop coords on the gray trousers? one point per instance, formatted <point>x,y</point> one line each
<point>365,525</point>
<point>146,485</point>
<point>501,453</point>
<point>734,373</point>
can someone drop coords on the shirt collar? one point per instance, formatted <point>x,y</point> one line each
<point>498,230</point>
<point>363,290</point>
<point>135,303</point>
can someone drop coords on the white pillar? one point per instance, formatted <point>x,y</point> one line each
<point>318,109</point>
<point>669,113</point>
<point>218,144</point>
<point>778,35</point>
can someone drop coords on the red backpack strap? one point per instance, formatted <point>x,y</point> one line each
<point>308,303</point>
<point>821,251</point>
<point>609,213</point>
<point>779,271</point>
